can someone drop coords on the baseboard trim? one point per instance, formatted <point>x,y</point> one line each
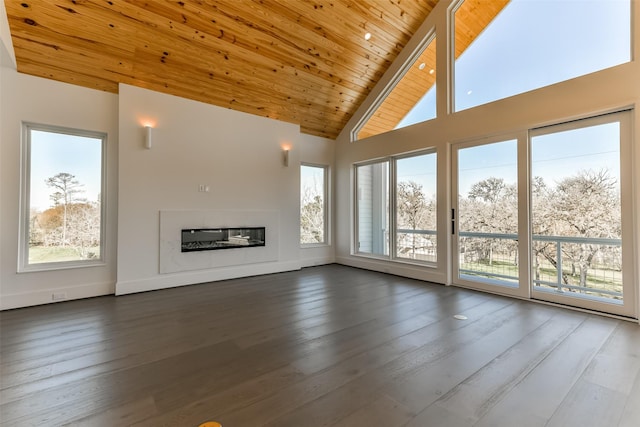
<point>45,296</point>
<point>410,271</point>
<point>314,262</point>
<point>166,281</point>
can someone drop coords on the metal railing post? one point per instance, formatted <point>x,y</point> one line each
<point>559,264</point>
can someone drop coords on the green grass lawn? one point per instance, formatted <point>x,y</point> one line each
<point>41,254</point>
<point>596,278</point>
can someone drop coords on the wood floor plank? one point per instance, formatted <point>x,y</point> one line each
<point>589,405</point>
<point>539,394</point>
<point>385,412</point>
<point>382,363</point>
<point>330,345</point>
<point>631,413</point>
<point>323,356</point>
<point>473,397</point>
<point>151,334</point>
<point>127,414</point>
<point>310,345</point>
<point>618,362</point>
<point>446,367</point>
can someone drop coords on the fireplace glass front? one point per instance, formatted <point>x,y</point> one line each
<point>207,239</point>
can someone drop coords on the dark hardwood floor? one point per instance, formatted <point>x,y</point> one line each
<point>324,346</point>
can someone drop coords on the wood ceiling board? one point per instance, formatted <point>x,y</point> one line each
<point>471,18</point>
<point>236,63</point>
<point>70,27</point>
<point>324,68</point>
<point>344,66</point>
<point>367,60</point>
<point>257,40</point>
<point>72,57</point>
<point>185,67</point>
<point>405,95</point>
<point>312,88</point>
<point>52,72</point>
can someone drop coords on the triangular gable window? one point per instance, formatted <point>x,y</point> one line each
<point>414,86</point>
<point>411,97</point>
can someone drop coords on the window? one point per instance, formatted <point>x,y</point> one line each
<point>62,186</point>
<point>416,207</point>
<point>373,208</point>
<point>313,204</point>
<point>406,228</point>
<point>410,99</point>
<point>576,209</point>
<point>504,48</point>
<point>486,211</point>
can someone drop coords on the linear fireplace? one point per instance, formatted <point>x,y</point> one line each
<point>207,239</point>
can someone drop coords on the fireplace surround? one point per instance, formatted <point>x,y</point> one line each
<point>174,222</point>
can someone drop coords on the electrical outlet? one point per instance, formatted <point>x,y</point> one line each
<point>58,296</point>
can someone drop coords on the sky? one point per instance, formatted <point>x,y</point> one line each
<point>554,156</point>
<point>532,44</point>
<point>420,169</point>
<point>512,56</point>
<point>312,179</point>
<point>559,155</point>
<point>53,153</point>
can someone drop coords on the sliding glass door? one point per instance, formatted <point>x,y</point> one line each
<point>548,215</point>
<point>580,214</point>
<point>486,215</point>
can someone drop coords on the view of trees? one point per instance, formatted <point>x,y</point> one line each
<point>585,205</point>
<point>312,215</point>
<point>572,213</point>
<point>70,228</point>
<point>491,207</point>
<point>415,212</point>
<point>312,219</point>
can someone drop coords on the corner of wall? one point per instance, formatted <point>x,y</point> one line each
<point>7,54</point>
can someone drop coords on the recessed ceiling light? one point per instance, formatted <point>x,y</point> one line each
<point>469,92</point>
<point>367,36</point>
<point>421,66</point>
<point>431,71</point>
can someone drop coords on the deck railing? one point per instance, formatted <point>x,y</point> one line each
<point>493,257</point>
<point>552,254</point>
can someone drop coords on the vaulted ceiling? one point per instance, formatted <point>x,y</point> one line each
<point>300,61</point>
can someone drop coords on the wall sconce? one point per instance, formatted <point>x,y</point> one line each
<point>285,156</point>
<point>147,137</point>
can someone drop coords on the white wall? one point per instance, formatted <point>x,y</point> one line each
<point>27,98</point>
<point>599,92</point>
<point>239,156</point>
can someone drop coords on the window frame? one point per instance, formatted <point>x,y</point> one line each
<point>25,195</point>
<point>393,211</point>
<point>356,213</point>
<point>325,217</point>
<point>394,214</point>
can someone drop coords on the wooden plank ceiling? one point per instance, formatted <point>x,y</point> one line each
<point>300,61</point>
